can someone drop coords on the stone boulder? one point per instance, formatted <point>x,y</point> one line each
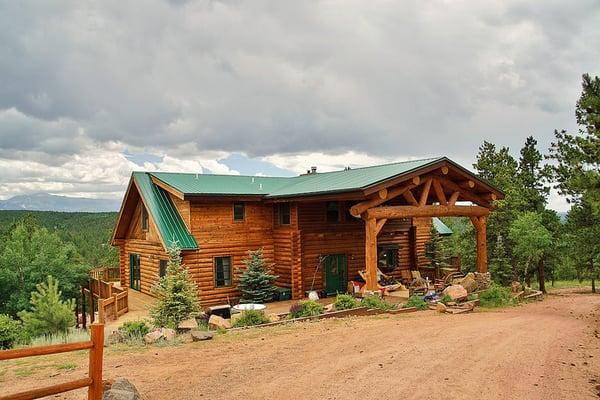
<point>187,325</point>
<point>468,282</point>
<point>198,336</point>
<point>441,307</point>
<point>121,389</point>
<point>455,292</point>
<point>215,322</point>
<point>159,334</point>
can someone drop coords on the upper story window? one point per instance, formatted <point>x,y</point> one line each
<point>222,271</point>
<point>145,221</point>
<point>333,211</point>
<point>239,211</point>
<point>284,213</point>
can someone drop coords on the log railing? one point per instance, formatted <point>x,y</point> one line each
<point>107,274</point>
<point>111,301</point>
<point>94,380</point>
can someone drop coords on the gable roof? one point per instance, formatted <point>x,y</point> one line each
<point>280,187</point>
<point>168,221</point>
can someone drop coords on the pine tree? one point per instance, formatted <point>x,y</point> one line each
<point>436,250</point>
<point>176,293</point>
<point>256,281</point>
<point>49,314</point>
<point>500,267</point>
<point>533,176</point>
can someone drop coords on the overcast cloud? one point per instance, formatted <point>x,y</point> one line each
<point>92,90</point>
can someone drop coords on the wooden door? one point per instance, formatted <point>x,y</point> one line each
<point>134,271</point>
<point>336,274</point>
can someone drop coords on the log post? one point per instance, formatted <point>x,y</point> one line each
<point>95,363</point>
<point>371,253</point>
<point>480,228</point>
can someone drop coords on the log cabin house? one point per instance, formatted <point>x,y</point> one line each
<point>317,229</point>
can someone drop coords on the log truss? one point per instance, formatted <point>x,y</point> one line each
<point>434,194</point>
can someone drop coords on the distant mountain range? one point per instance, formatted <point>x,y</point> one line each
<point>51,202</point>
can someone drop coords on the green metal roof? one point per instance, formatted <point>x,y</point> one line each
<point>440,227</point>
<point>171,227</point>
<point>271,187</point>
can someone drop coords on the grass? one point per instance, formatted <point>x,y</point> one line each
<point>66,366</point>
<point>566,284</point>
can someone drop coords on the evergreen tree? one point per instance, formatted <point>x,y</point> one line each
<point>436,250</point>
<point>577,156</point>
<point>176,293</point>
<point>582,241</point>
<point>500,267</point>
<point>256,280</point>
<point>533,176</point>
<point>49,315</point>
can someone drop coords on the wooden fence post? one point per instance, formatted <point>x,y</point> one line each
<point>83,309</point>
<point>95,364</point>
<point>101,316</point>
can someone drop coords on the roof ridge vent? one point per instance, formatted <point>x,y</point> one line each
<point>252,179</point>
<point>260,186</point>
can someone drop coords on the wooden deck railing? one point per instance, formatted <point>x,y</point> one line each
<point>107,274</point>
<point>111,301</point>
<point>94,380</point>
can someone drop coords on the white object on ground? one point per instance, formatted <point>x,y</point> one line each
<point>249,306</point>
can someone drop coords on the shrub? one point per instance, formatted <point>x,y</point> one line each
<point>134,329</point>
<point>251,318</point>
<point>49,314</point>
<point>305,308</point>
<point>256,281</point>
<point>11,332</point>
<point>175,292</point>
<point>417,302</point>
<point>377,302</point>
<point>496,296</point>
<point>445,299</point>
<point>345,302</point>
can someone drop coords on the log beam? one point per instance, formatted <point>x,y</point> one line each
<point>371,253</point>
<point>380,225</point>
<point>453,198</point>
<point>383,193</point>
<point>480,230</point>
<point>359,208</point>
<point>410,199</point>
<point>425,192</point>
<point>468,184</point>
<point>391,212</point>
<point>439,192</point>
<point>467,195</point>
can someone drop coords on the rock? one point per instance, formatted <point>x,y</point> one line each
<point>441,307</point>
<point>468,282</point>
<point>328,308</point>
<point>216,322</point>
<point>168,334</point>
<point>121,389</point>
<point>235,317</point>
<point>201,335</point>
<point>188,324</point>
<point>153,337</point>
<point>455,292</point>
<point>516,287</point>
<point>274,317</point>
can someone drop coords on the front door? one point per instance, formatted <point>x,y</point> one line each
<point>336,274</point>
<point>134,271</point>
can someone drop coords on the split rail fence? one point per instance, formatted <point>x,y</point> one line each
<point>94,380</point>
<point>110,301</point>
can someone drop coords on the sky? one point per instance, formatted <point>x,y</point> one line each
<point>92,90</point>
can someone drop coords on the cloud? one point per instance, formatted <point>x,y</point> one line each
<point>194,81</point>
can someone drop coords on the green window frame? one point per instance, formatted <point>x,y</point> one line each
<point>284,213</point>
<point>239,211</point>
<point>222,271</point>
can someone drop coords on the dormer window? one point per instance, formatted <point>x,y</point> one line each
<point>145,222</point>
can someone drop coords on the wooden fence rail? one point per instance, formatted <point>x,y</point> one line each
<point>108,274</point>
<point>111,301</point>
<point>93,382</point>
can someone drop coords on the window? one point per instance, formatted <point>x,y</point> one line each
<point>333,211</point>
<point>222,271</point>
<point>144,219</point>
<point>162,268</point>
<point>239,211</point>
<point>284,213</point>
<point>387,258</point>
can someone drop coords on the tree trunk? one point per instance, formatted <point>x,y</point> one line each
<point>541,276</point>
<point>593,285</point>
<point>593,276</point>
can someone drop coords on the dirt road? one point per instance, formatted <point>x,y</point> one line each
<point>544,350</point>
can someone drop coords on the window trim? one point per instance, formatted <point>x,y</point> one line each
<point>230,272</point>
<point>280,214</point>
<point>243,204</point>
